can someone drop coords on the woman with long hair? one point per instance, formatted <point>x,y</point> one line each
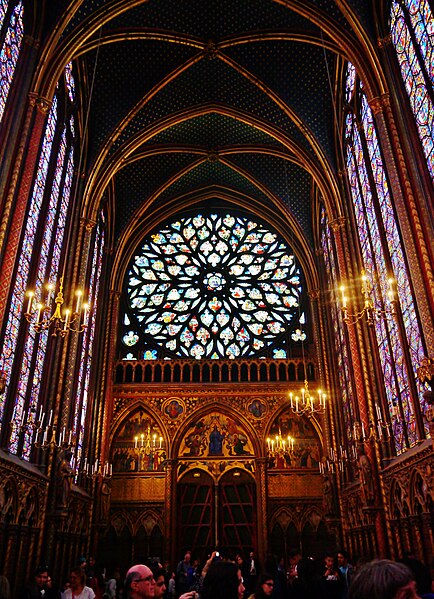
<point>78,588</point>
<point>264,587</point>
<point>223,580</point>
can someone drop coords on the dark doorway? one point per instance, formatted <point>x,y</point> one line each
<point>219,515</point>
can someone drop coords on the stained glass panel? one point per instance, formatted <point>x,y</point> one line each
<point>10,51</point>
<point>50,198</point>
<point>18,297</point>
<point>412,29</point>
<point>368,202</point>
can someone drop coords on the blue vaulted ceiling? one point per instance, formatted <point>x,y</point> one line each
<point>232,99</point>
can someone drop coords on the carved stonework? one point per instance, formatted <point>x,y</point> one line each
<point>23,494</point>
<point>87,224</point>
<point>43,105</point>
<point>425,372</point>
<point>135,518</point>
<point>409,485</point>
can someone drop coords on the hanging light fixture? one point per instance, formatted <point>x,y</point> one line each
<point>307,403</point>
<point>369,310</point>
<point>62,320</point>
<point>280,446</point>
<point>97,469</point>
<point>145,444</point>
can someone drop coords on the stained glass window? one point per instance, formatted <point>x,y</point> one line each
<point>365,165</point>
<point>340,344</point>
<point>213,286</point>
<point>12,21</point>
<point>412,26</point>
<point>47,217</point>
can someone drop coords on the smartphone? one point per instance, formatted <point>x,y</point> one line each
<point>217,554</point>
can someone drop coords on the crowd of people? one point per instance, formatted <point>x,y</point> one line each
<point>238,577</point>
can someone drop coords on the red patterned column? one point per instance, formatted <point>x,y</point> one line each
<point>370,456</point>
<point>16,204</point>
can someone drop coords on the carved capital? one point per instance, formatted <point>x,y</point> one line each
<point>379,103</point>
<point>337,223</point>
<point>87,224</point>
<point>3,380</point>
<point>43,105</point>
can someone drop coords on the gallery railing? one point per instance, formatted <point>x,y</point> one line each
<point>213,371</point>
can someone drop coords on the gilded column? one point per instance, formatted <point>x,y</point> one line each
<point>109,352</point>
<point>319,333</point>
<point>75,340</point>
<point>170,504</point>
<point>262,522</point>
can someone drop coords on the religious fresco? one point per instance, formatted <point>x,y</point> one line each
<point>173,408</point>
<point>138,446</point>
<point>257,408</point>
<point>215,435</point>
<point>304,451</point>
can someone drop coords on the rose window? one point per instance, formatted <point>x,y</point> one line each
<point>214,287</point>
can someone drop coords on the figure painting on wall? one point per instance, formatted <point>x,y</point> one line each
<point>133,426</point>
<point>257,408</point>
<point>196,441</point>
<point>128,459</point>
<point>138,445</point>
<point>216,442</point>
<point>173,409</point>
<point>215,435</point>
<point>236,439</point>
<point>306,452</point>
